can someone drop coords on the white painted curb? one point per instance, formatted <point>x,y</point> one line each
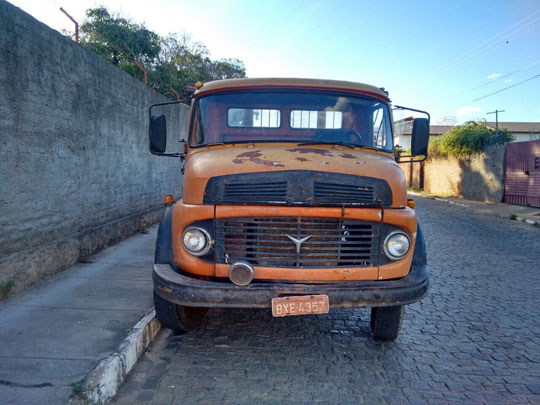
<point>517,218</point>
<point>103,382</point>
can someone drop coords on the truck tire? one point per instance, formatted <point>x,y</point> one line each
<point>179,318</point>
<point>386,322</point>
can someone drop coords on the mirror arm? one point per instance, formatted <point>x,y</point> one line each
<point>410,161</point>
<point>180,155</point>
<point>396,107</point>
<point>158,104</point>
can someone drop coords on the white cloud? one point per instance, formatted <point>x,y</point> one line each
<point>467,109</point>
<point>508,81</point>
<point>494,76</point>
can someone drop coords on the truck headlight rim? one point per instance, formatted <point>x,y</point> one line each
<point>387,252</point>
<point>202,232</point>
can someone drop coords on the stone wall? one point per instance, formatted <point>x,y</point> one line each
<point>76,173</point>
<point>480,177</point>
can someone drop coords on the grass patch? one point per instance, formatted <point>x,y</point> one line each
<point>143,228</point>
<point>415,190</point>
<point>78,392</point>
<point>512,217</point>
<point>5,288</point>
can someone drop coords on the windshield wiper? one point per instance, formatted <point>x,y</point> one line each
<point>349,145</point>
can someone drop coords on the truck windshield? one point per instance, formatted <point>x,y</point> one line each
<point>292,116</point>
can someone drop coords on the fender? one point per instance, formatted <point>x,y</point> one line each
<point>164,252</point>
<point>419,255</point>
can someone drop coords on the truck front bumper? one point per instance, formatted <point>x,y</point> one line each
<point>183,290</point>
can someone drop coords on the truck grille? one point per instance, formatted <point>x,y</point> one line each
<point>331,242</point>
<point>327,191</point>
<point>297,187</point>
<point>263,191</point>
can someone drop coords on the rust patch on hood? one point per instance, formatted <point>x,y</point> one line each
<point>322,152</point>
<point>266,162</point>
<point>347,156</point>
<point>250,154</point>
<point>254,157</point>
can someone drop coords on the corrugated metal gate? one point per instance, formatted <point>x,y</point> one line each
<point>522,185</point>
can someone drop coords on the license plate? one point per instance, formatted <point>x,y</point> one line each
<point>300,305</point>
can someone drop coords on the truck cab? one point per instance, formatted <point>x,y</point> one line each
<point>292,201</point>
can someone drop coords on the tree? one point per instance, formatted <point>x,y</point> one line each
<point>119,40</point>
<point>173,61</point>
<point>182,62</point>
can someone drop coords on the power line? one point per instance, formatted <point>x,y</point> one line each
<point>506,75</point>
<point>506,88</point>
<point>489,43</point>
<point>489,47</point>
<point>486,83</point>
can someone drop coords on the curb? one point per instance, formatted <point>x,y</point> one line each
<point>517,218</point>
<point>104,380</point>
<point>438,199</point>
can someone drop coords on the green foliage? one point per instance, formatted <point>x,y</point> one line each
<point>78,392</point>
<point>173,61</point>
<point>512,217</point>
<point>117,39</point>
<point>5,288</point>
<point>467,139</point>
<point>182,61</point>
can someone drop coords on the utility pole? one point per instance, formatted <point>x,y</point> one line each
<point>496,112</point>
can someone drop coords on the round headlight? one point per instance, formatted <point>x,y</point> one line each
<point>396,245</point>
<point>196,241</point>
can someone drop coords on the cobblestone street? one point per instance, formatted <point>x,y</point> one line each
<point>474,339</point>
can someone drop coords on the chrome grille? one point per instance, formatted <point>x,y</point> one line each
<point>329,191</point>
<point>332,242</point>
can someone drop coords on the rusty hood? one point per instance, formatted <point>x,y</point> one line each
<point>205,163</point>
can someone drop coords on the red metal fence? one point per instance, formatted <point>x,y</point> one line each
<point>522,184</point>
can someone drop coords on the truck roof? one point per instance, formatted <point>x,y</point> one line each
<point>291,83</point>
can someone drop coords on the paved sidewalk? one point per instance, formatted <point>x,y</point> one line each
<point>53,333</point>
<point>521,212</point>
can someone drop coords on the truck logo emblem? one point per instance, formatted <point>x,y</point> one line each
<point>298,242</point>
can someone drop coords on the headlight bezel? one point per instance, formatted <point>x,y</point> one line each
<point>385,245</point>
<point>206,234</point>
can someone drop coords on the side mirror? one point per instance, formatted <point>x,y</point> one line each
<point>158,134</point>
<point>420,137</point>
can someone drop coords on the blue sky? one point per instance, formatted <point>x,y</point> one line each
<point>435,55</point>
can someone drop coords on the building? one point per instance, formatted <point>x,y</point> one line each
<point>523,131</point>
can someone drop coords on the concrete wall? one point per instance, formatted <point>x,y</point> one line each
<point>480,177</point>
<point>76,173</point>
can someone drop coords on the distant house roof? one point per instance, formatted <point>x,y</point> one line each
<point>439,129</point>
<point>515,128</point>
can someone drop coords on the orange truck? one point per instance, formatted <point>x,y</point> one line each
<point>293,201</point>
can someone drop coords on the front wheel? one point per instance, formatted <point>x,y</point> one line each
<point>179,318</point>
<point>386,322</point>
